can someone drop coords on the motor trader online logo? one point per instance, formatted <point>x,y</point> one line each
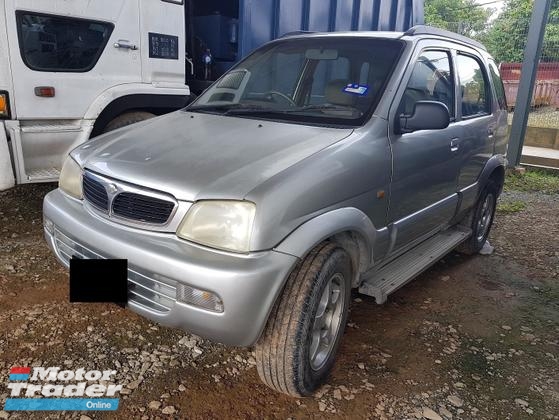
<point>53,389</point>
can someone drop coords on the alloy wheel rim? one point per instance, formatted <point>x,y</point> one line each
<point>327,321</point>
<point>485,217</point>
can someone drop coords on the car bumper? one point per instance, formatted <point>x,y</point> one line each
<point>161,263</point>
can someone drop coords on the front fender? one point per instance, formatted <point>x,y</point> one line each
<point>315,231</point>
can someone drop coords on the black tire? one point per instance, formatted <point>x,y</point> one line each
<point>283,352</point>
<point>128,118</point>
<point>476,241</point>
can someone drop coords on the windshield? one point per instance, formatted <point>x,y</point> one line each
<point>323,80</point>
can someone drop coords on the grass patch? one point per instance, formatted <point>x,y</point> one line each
<point>534,180</point>
<point>508,207</point>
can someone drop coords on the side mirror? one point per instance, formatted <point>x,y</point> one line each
<point>427,115</point>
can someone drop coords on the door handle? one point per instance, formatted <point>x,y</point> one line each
<point>454,145</point>
<point>122,43</point>
<point>490,133</point>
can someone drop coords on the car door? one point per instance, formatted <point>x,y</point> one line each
<point>425,163</point>
<point>478,122</point>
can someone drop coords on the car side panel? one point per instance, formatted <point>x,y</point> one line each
<point>354,172</point>
<point>476,148</point>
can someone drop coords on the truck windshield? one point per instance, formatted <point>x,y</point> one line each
<point>319,80</point>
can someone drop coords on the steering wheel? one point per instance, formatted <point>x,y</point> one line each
<point>273,93</point>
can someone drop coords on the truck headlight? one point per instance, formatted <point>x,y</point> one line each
<point>71,178</point>
<point>225,225</point>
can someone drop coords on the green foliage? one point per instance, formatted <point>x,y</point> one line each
<point>461,16</point>
<point>511,206</point>
<point>534,180</point>
<point>508,34</point>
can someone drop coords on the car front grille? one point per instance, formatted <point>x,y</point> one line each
<point>151,291</point>
<point>95,193</point>
<point>127,202</point>
<point>142,208</point>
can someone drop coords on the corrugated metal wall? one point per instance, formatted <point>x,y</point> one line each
<point>264,20</point>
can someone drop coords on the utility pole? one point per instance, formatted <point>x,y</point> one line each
<point>532,54</point>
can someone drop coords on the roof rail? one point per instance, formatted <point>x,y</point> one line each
<point>430,30</point>
<point>295,33</point>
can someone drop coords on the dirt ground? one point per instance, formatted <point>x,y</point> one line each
<point>473,337</point>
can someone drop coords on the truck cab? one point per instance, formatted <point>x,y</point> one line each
<point>75,69</point>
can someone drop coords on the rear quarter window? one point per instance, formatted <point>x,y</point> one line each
<point>60,43</point>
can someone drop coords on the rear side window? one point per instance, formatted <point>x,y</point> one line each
<point>61,44</point>
<point>473,86</point>
<point>498,83</point>
<point>431,80</point>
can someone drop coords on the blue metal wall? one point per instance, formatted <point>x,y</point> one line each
<point>264,20</point>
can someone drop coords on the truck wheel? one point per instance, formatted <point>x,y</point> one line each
<point>127,118</point>
<point>298,347</point>
<point>481,219</point>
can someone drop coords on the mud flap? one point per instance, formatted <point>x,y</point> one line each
<point>7,179</point>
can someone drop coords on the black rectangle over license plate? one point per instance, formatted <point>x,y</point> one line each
<point>103,281</point>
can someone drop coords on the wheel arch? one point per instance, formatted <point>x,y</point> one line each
<point>498,175</point>
<point>349,227</point>
<point>154,103</point>
<point>495,170</point>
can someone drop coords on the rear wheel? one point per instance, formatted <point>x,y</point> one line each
<point>297,350</point>
<point>481,219</point>
<point>127,118</point>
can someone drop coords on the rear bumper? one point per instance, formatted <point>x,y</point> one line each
<point>248,285</point>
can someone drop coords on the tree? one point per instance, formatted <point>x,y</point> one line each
<point>462,16</point>
<point>507,37</point>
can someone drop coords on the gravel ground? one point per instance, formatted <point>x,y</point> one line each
<point>546,117</point>
<point>473,337</point>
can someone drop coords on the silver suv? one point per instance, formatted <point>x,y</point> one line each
<point>319,164</point>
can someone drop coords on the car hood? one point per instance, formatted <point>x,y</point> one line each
<point>203,156</point>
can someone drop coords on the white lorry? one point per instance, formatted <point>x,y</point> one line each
<point>70,70</point>
<point>73,69</point>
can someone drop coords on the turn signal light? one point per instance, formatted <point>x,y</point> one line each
<point>200,298</point>
<point>4,106</point>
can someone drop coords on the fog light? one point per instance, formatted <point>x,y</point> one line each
<point>199,298</point>
<point>49,225</point>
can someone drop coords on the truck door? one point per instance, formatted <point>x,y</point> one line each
<point>163,37</point>
<point>64,55</point>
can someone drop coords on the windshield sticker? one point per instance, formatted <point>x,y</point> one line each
<point>356,89</point>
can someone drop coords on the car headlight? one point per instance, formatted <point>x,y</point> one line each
<point>225,225</point>
<point>70,180</point>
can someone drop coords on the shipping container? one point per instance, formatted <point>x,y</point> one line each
<point>546,88</point>
<point>230,30</point>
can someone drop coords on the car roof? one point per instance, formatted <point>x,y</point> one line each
<point>413,34</point>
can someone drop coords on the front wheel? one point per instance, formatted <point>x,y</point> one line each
<point>298,347</point>
<point>481,219</point>
<point>128,118</point>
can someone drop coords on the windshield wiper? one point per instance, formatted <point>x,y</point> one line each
<point>320,107</point>
<point>229,109</point>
